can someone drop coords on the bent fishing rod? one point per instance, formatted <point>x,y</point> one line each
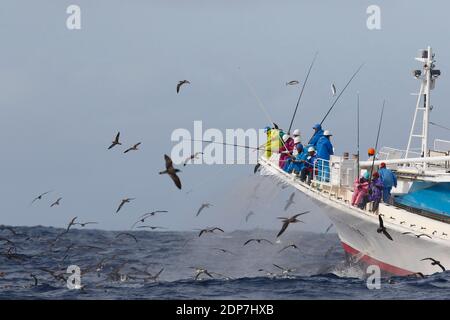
<point>357,131</point>
<point>301,92</point>
<point>337,98</point>
<point>376,143</point>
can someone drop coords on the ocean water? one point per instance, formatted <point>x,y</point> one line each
<point>34,266</point>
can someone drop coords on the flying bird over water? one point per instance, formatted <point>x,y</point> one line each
<point>116,141</point>
<point>224,251</point>
<point>191,157</point>
<point>249,215</point>
<point>56,203</point>
<point>39,197</point>
<point>152,227</point>
<point>417,235</point>
<point>257,166</point>
<point>83,224</point>
<point>292,245</point>
<point>200,271</point>
<point>289,201</point>
<point>126,200</point>
<point>329,228</point>
<point>147,215</point>
<point>203,206</point>
<point>382,229</point>
<point>283,269</point>
<point>287,221</point>
<point>435,263</point>
<point>171,171</point>
<point>333,89</point>
<point>180,83</point>
<point>134,147</point>
<point>292,83</point>
<point>128,235</point>
<point>257,240</point>
<point>209,230</point>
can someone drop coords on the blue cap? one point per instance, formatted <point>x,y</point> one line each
<point>317,126</point>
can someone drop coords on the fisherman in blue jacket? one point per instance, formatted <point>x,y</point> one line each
<point>389,180</point>
<point>324,151</point>
<point>317,134</point>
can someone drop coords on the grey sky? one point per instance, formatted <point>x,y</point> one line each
<point>64,95</point>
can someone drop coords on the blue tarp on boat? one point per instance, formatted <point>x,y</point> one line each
<point>434,198</point>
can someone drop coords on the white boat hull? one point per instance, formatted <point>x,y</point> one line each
<point>357,230</point>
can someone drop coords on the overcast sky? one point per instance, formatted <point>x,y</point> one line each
<point>65,94</point>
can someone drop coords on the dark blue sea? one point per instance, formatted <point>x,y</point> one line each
<point>34,262</point>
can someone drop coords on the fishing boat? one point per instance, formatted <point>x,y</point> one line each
<point>418,215</point>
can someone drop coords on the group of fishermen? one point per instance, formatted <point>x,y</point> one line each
<point>299,159</point>
<point>312,161</point>
<point>374,186</point>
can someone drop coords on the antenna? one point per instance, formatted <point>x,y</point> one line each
<point>428,76</point>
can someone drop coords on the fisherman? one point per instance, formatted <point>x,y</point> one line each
<point>318,133</point>
<point>308,165</point>
<point>296,133</point>
<point>361,187</point>
<point>375,191</point>
<point>389,180</point>
<point>324,151</point>
<point>273,140</point>
<point>296,162</point>
<point>297,146</point>
<point>285,150</point>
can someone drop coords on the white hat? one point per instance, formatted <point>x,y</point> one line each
<point>311,149</point>
<point>327,133</point>
<point>296,132</point>
<point>285,137</point>
<point>297,139</point>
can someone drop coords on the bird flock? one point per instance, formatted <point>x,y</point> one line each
<point>136,273</point>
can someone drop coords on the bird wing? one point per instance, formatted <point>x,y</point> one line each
<point>300,214</point>
<point>423,234</point>
<point>202,232</point>
<point>200,209</point>
<point>120,206</point>
<point>380,221</point>
<point>333,89</point>
<point>267,241</point>
<point>117,137</point>
<point>137,145</point>
<point>256,167</point>
<point>169,163</point>
<point>387,235</point>
<point>248,241</point>
<point>176,179</point>
<point>179,86</point>
<point>442,267</point>
<point>275,125</point>
<point>216,228</point>
<point>277,266</point>
<point>283,228</point>
<point>129,149</point>
<point>428,259</point>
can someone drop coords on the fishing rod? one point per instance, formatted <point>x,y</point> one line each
<point>439,126</point>
<point>301,92</point>
<point>376,143</point>
<point>340,94</point>
<point>228,144</point>
<point>357,130</point>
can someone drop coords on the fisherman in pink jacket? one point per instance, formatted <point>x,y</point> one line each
<point>361,188</point>
<point>286,149</point>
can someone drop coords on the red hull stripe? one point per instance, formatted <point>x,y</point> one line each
<point>371,261</point>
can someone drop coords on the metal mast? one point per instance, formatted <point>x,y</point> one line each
<point>428,76</point>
